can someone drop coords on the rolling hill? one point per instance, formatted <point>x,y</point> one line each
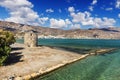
<point>45,32</point>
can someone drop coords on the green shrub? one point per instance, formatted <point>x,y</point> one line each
<point>6,39</point>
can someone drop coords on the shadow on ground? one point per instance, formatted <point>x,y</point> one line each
<point>74,49</point>
<point>17,48</point>
<point>14,57</point>
<point>77,50</point>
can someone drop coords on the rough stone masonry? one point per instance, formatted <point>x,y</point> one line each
<point>30,39</point>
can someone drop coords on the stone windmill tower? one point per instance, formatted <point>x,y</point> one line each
<point>30,39</point>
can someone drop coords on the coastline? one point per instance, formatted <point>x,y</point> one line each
<point>57,37</point>
<point>52,63</point>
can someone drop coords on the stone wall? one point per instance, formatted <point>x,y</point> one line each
<point>30,39</point>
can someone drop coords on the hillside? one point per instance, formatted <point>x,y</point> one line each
<point>103,33</point>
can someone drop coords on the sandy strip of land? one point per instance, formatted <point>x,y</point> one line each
<point>25,63</point>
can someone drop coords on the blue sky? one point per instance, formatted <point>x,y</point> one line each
<point>63,14</point>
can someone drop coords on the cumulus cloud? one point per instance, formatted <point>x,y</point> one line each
<point>75,26</point>
<point>71,9</point>
<point>94,2</point>
<point>59,23</point>
<point>43,20</point>
<point>62,24</point>
<point>49,10</point>
<point>104,22</point>
<point>117,4</point>
<point>21,12</point>
<point>12,4</point>
<point>85,19</point>
<point>67,21</point>
<point>54,23</point>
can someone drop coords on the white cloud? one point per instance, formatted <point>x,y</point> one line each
<point>109,9</point>
<point>85,19</point>
<point>90,8</point>
<point>71,9</point>
<point>60,23</point>
<point>14,4</point>
<point>117,4</point>
<point>54,23</point>
<point>49,10</point>
<point>104,22</point>
<point>119,15</point>
<point>80,17</point>
<point>43,20</point>
<point>94,2</point>
<point>23,15</point>
<point>67,21</point>
<point>75,26</point>
<point>20,11</point>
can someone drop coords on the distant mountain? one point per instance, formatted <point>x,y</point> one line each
<point>102,33</point>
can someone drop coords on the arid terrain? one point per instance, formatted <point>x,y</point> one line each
<point>45,32</point>
<point>25,62</point>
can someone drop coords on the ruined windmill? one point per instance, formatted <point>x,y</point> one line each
<point>30,39</point>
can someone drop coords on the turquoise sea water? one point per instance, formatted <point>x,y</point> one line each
<point>100,67</point>
<point>92,43</point>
